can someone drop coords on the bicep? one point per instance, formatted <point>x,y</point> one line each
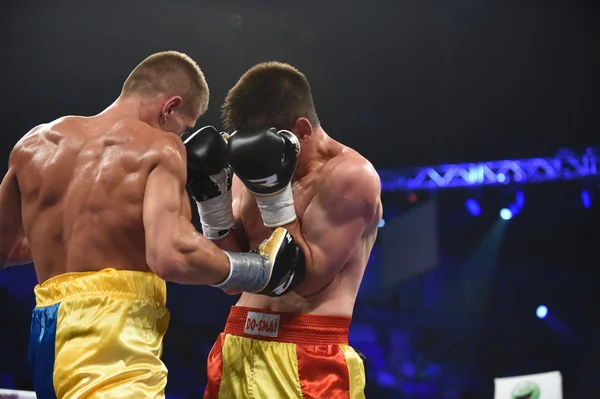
<point>10,202</point>
<point>12,235</point>
<point>332,232</point>
<point>163,202</point>
<point>336,220</point>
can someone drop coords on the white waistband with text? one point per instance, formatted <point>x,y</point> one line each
<point>263,324</point>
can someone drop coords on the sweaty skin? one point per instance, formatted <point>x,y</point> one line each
<point>89,193</point>
<point>338,206</point>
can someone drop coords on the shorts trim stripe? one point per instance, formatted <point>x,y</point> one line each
<point>356,372</point>
<point>42,344</point>
<point>317,361</point>
<point>215,368</point>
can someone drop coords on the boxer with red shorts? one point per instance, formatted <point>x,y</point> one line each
<point>290,173</point>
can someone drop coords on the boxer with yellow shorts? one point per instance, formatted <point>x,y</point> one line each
<point>99,333</point>
<point>290,173</point>
<point>99,205</point>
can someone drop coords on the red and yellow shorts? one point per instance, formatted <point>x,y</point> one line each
<point>273,355</point>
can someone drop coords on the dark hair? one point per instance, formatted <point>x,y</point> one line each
<point>270,94</point>
<point>171,73</point>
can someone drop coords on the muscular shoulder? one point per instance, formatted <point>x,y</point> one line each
<point>26,146</point>
<point>350,173</point>
<point>158,144</point>
<point>169,143</point>
<point>52,132</point>
<point>168,150</point>
<point>351,180</point>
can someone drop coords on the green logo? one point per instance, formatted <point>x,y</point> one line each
<point>526,390</point>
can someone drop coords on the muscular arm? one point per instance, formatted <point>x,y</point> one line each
<point>335,221</point>
<point>174,249</point>
<point>14,247</point>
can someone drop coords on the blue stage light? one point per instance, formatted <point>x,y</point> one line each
<point>586,199</point>
<point>381,222</point>
<point>541,311</point>
<point>520,199</point>
<point>473,207</point>
<point>506,214</point>
<point>501,177</point>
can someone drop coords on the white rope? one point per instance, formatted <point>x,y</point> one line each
<point>12,394</point>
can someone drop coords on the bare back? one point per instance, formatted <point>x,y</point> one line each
<point>82,183</point>
<point>339,296</point>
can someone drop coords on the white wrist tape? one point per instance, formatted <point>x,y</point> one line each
<point>278,209</point>
<point>216,215</point>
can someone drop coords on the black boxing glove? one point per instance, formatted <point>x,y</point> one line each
<point>209,181</point>
<point>265,160</point>
<point>274,269</point>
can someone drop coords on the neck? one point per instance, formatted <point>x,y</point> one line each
<point>132,107</point>
<point>320,149</point>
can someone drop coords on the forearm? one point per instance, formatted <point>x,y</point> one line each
<point>182,255</point>
<point>295,230</point>
<point>18,254</point>
<point>310,282</point>
<point>232,242</point>
<point>201,262</point>
<point>322,267</point>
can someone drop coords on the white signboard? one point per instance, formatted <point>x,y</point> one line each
<point>534,386</point>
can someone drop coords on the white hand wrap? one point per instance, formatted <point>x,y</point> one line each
<point>278,209</point>
<point>216,215</point>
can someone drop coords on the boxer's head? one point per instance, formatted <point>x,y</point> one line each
<point>171,91</point>
<point>273,94</point>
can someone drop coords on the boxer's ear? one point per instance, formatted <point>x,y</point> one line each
<point>170,106</point>
<point>303,129</point>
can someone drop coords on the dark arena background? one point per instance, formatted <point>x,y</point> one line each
<point>482,117</point>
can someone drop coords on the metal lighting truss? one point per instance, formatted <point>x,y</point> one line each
<point>566,165</point>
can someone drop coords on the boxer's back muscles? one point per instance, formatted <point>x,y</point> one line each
<point>81,183</point>
<point>339,207</point>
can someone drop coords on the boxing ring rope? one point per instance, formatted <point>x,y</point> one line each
<point>12,394</point>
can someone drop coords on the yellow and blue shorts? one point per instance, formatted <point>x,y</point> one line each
<point>99,335</point>
<point>271,355</point>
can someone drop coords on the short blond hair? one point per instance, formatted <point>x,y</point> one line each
<point>271,94</point>
<point>170,73</point>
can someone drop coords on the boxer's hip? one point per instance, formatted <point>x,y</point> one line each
<point>99,334</point>
<point>265,354</point>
